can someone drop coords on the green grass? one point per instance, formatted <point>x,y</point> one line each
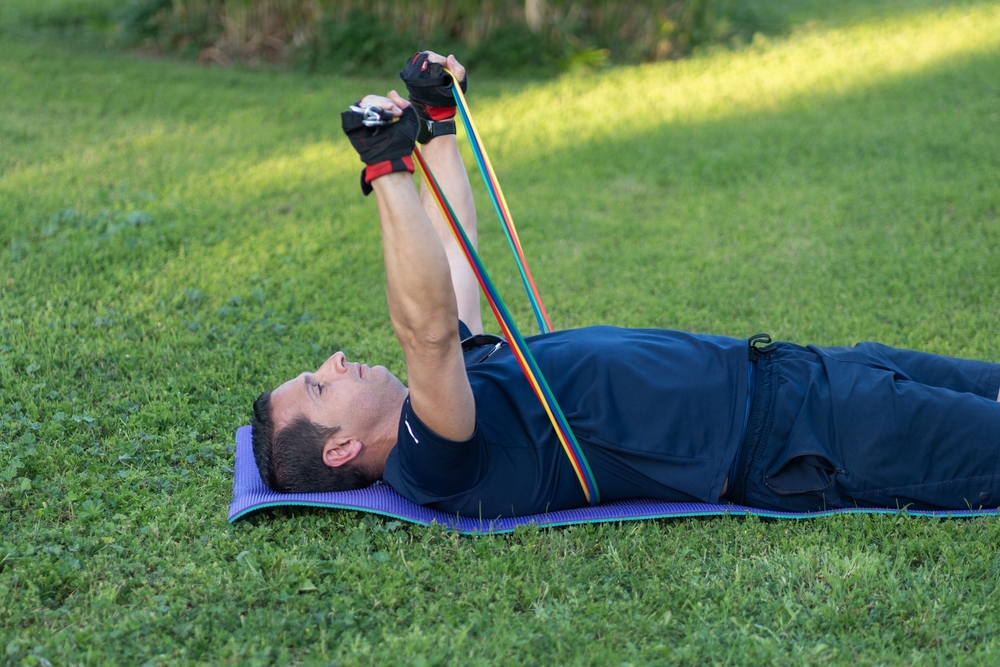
<point>173,240</point>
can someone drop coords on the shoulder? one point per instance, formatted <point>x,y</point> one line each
<point>425,465</point>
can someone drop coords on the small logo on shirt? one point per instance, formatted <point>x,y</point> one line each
<point>415,439</point>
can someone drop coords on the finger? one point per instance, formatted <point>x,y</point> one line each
<point>398,100</point>
<point>376,100</point>
<point>455,67</point>
<point>435,57</point>
<point>382,102</point>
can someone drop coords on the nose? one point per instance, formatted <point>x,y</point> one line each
<point>337,363</point>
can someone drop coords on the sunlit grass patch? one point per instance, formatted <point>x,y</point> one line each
<point>801,71</point>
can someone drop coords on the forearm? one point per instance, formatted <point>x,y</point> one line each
<point>419,288</point>
<point>446,163</point>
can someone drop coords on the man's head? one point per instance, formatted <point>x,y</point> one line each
<point>329,430</point>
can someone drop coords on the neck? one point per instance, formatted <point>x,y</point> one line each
<point>384,436</point>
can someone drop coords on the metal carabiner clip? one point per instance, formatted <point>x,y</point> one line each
<point>373,116</point>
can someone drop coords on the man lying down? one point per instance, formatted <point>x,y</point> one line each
<point>659,414</point>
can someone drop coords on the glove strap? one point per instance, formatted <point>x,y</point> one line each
<point>434,128</point>
<point>373,171</point>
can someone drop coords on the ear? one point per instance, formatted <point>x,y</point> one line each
<point>340,451</point>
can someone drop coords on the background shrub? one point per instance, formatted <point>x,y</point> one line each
<point>505,35</point>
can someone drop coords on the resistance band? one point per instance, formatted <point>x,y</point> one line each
<point>500,205</point>
<point>520,349</point>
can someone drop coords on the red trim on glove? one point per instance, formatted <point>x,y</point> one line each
<point>440,113</point>
<point>373,171</point>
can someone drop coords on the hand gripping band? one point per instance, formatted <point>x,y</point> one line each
<point>429,85</point>
<point>384,145</point>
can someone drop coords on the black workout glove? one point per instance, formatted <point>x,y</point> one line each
<point>430,91</point>
<point>384,148</point>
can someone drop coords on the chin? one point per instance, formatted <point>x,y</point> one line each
<point>392,379</point>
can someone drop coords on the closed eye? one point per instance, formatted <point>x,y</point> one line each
<point>310,381</point>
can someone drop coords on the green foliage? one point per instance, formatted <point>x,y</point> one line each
<point>514,48</point>
<point>173,240</point>
<point>144,19</point>
<point>67,18</point>
<point>357,44</point>
<point>361,44</point>
<point>346,36</point>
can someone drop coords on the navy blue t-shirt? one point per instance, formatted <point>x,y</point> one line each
<point>659,414</point>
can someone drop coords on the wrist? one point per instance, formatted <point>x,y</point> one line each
<point>437,113</point>
<point>379,169</point>
<point>429,129</point>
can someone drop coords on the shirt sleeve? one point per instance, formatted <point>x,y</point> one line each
<point>429,468</point>
<point>463,331</point>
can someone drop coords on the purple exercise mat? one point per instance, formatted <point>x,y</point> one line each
<point>250,493</point>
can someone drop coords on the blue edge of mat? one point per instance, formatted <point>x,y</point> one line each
<point>251,494</point>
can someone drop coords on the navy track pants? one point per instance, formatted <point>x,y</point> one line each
<point>870,426</point>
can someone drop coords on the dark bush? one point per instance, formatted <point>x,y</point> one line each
<point>341,35</point>
<point>513,48</point>
<point>144,18</point>
<point>354,45</point>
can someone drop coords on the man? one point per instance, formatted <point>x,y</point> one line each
<point>661,414</point>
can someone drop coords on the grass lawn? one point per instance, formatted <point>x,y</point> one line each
<point>174,240</point>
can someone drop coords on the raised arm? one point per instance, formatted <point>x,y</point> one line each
<point>446,164</point>
<point>444,160</point>
<point>421,298</point>
<point>424,310</point>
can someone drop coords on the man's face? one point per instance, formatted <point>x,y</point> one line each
<point>340,393</point>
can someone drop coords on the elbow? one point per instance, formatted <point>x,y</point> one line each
<point>437,339</point>
<point>427,337</point>
<point>426,324</point>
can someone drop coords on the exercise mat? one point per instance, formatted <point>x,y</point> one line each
<point>250,494</point>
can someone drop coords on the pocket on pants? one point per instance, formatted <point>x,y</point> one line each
<point>808,473</point>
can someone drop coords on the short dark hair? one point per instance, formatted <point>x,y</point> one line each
<point>291,459</point>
